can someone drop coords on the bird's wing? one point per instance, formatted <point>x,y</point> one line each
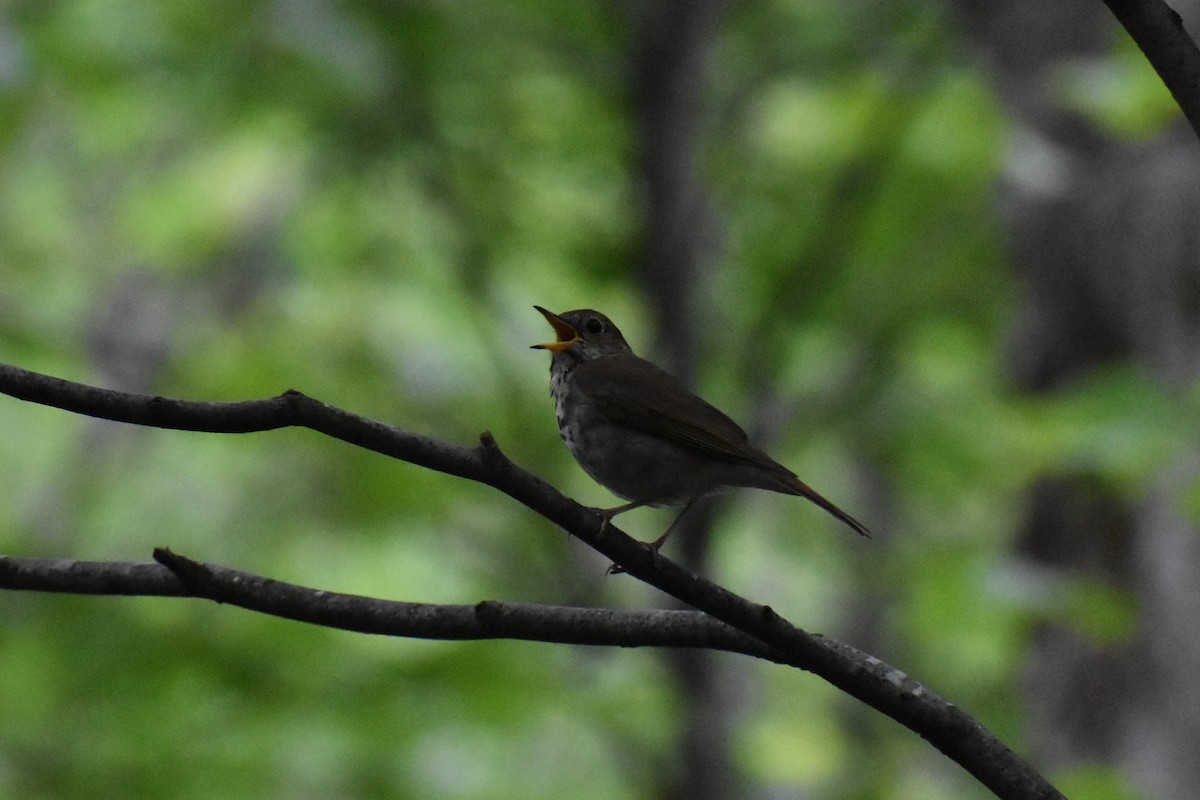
<point>631,391</point>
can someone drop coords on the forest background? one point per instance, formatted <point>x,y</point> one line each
<point>940,257</point>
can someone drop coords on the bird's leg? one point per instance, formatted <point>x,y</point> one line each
<point>606,514</point>
<point>658,543</point>
<point>654,546</point>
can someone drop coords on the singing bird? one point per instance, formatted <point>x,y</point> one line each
<point>636,430</point>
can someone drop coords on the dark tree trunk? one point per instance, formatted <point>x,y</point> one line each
<point>671,63</point>
<point>1105,238</point>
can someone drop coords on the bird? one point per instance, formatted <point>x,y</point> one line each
<point>640,433</point>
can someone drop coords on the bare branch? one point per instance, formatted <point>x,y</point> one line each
<point>176,576</point>
<point>870,680</point>
<point>1159,33</point>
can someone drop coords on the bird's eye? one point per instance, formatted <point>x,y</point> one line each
<point>595,326</point>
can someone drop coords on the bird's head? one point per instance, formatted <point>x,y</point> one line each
<point>583,334</point>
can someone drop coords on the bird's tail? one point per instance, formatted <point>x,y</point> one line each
<point>804,490</point>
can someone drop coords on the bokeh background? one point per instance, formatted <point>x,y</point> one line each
<point>941,258</point>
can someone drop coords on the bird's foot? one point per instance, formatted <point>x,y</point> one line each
<point>606,515</point>
<point>617,569</point>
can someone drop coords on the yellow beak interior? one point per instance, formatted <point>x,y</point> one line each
<point>567,336</point>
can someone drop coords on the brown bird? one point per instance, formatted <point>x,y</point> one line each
<point>640,433</point>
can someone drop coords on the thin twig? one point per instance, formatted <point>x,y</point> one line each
<point>1159,32</point>
<point>177,576</point>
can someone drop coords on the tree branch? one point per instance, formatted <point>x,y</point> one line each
<point>176,576</point>
<point>870,680</point>
<point>1159,33</point>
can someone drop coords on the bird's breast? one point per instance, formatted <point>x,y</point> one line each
<point>631,464</point>
<point>566,407</point>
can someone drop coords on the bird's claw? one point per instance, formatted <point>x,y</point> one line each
<point>656,557</point>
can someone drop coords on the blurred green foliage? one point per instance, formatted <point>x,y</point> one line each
<point>362,201</point>
<point>1121,94</point>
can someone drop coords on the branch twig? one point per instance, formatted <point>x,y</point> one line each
<point>873,682</point>
<point>176,576</point>
<point>1159,33</point>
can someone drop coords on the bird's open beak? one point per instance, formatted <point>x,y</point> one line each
<point>567,335</point>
